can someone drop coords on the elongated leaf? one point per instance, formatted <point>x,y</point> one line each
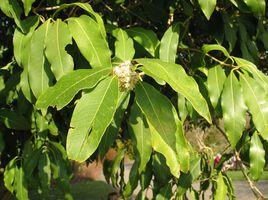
<point>18,46</point>
<point>116,165</point>
<point>9,174</point>
<point>256,100</point>
<point>184,85</point>
<point>165,193</point>
<point>27,6</point>
<point>92,115</point>
<point>257,157</point>
<point>57,40</point>
<point>216,79</point>
<point>20,185</point>
<point>207,7</point>
<point>234,109</point>
<point>90,41</point>
<point>142,137</point>
<point>182,148</point>
<point>44,173</point>
<point>215,47</point>
<point>169,44</point>
<point>65,89</point>
<point>13,120</point>
<point>5,7</point>
<point>161,119</point>
<point>183,112</point>
<point>221,191</point>
<point>124,48</point>
<point>133,180</point>
<point>40,76</point>
<point>257,6</point>
<point>146,38</point>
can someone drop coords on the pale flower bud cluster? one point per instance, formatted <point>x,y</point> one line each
<point>126,75</point>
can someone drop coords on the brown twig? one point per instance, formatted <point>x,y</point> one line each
<point>258,194</point>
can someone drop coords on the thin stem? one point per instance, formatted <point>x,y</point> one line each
<point>47,8</point>
<point>258,194</point>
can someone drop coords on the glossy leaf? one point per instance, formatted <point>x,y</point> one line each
<point>256,6</point>
<point>13,120</point>
<point>207,6</point>
<point>40,76</point>
<point>57,39</point>
<point>184,85</point>
<point>27,6</point>
<point>183,112</point>
<point>116,165</point>
<point>165,193</point>
<point>90,41</point>
<point>169,43</point>
<point>257,157</point>
<point>256,100</point>
<point>221,191</point>
<point>146,38</point>
<point>215,80</point>
<point>124,48</point>
<point>66,88</point>
<point>9,174</point>
<point>206,48</point>
<point>140,132</point>
<point>97,109</point>
<point>44,173</point>
<point>161,119</point>
<point>133,180</point>
<point>234,109</point>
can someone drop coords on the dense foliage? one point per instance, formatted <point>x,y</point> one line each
<point>79,78</point>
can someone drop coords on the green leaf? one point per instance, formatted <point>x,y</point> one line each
<point>207,7</point>
<point>256,100</point>
<point>234,109</point>
<point>133,180</point>
<point>169,43</point>
<point>5,7</point>
<point>146,38</point>
<point>221,191</point>
<point>230,31</point>
<point>116,165</point>
<point>124,48</point>
<point>57,39</point>
<point>140,132</point>
<point>97,109</point>
<point>20,185</point>
<point>257,157</point>
<point>27,6</point>
<point>256,6</point>
<point>215,80</point>
<point>13,120</point>
<point>206,48</point>
<point>9,174</point>
<point>66,88</point>
<point>18,41</point>
<point>165,193</point>
<point>40,76</point>
<point>184,85</point>
<point>90,41</point>
<point>183,112</point>
<point>160,115</point>
<point>182,148</point>
<point>44,173</point>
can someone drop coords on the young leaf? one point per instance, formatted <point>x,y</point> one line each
<point>257,157</point>
<point>256,6</point>
<point>9,174</point>
<point>40,76</point>
<point>92,115</point>
<point>216,79</point>
<point>57,39</point>
<point>221,191</point>
<point>20,185</point>
<point>207,7</point>
<point>256,100</point>
<point>124,48</point>
<point>234,109</point>
<point>13,120</point>
<point>183,112</point>
<point>27,6</point>
<point>160,115</point>
<point>44,173</point>
<point>90,41</point>
<point>182,148</point>
<point>66,88</point>
<point>169,44</point>
<point>146,38</point>
<point>184,85</point>
<point>140,132</point>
